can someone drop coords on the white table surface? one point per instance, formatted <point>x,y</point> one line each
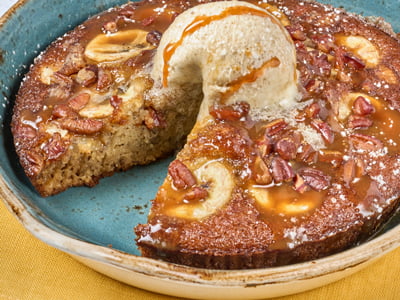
<point>5,5</point>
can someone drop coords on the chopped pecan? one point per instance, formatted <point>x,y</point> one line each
<point>362,106</point>
<point>352,169</point>
<point>148,21</point>
<point>63,111</point>
<point>296,32</point>
<point>281,170</point>
<point>320,64</point>
<point>153,37</point>
<point>324,129</point>
<point>364,142</point>
<point>182,177</point>
<point>331,156</point>
<point>81,126</point>
<point>315,178</point>
<point>354,61</point>
<point>127,11</point>
<point>286,148</point>
<point>356,122</point>
<point>74,61</point>
<point>300,185</point>
<point>104,80</point>
<point>55,147</point>
<point>275,127</point>
<point>196,193</point>
<point>61,86</point>
<point>349,170</point>
<point>34,161</point>
<point>110,27</point>
<point>87,76</point>
<point>314,86</point>
<point>344,76</point>
<point>306,153</point>
<point>115,101</point>
<point>154,119</point>
<point>345,59</point>
<point>27,134</point>
<point>313,110</point>
<point>79,101</point>
<point>260,172</point>
<point>230,112</point>
<point>324,42</point>
<point>264,145</point>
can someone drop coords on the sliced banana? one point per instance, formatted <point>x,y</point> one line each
<point>361,47</point>
<point>285,201</point>
<point>221,183</point>
<point>346,103</point>
<point>386,74</point>
<point>46,74</point>
<point>97,111</point>
<point>118,46</point>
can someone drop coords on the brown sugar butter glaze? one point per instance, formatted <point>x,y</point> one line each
<point>296,176</point>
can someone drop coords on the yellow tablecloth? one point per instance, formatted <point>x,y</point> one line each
<point>30,269</point>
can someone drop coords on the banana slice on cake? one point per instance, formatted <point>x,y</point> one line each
<point>117,46</point>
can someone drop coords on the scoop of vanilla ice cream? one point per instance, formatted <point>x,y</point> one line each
<point>239,52</point>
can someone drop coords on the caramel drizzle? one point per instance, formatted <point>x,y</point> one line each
<point>201,21</point>
<point>248,78</point>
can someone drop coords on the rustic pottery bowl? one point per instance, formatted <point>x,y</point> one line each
<point>95,225</point>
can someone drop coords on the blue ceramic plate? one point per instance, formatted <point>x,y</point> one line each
<point>96,224</point>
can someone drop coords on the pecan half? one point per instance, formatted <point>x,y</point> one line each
<point>324,129</point>
<point>362,106</point>
<point>286,148</point>
<point>275,127</point>
<point>281,170</point>
<point>356,122</point>
<point>55,147</point>
<point>307,154</point>
<point>331,156</point>
<point>182,177</point>
<point>87,76</point>
<point>63,111</point>
<point>315,178</point>
<point>81,126</point>
<point>74,61</point>
<point>365,142</point>
<point>79,101</point>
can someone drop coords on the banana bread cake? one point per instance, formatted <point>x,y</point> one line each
<point>292,109</point>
